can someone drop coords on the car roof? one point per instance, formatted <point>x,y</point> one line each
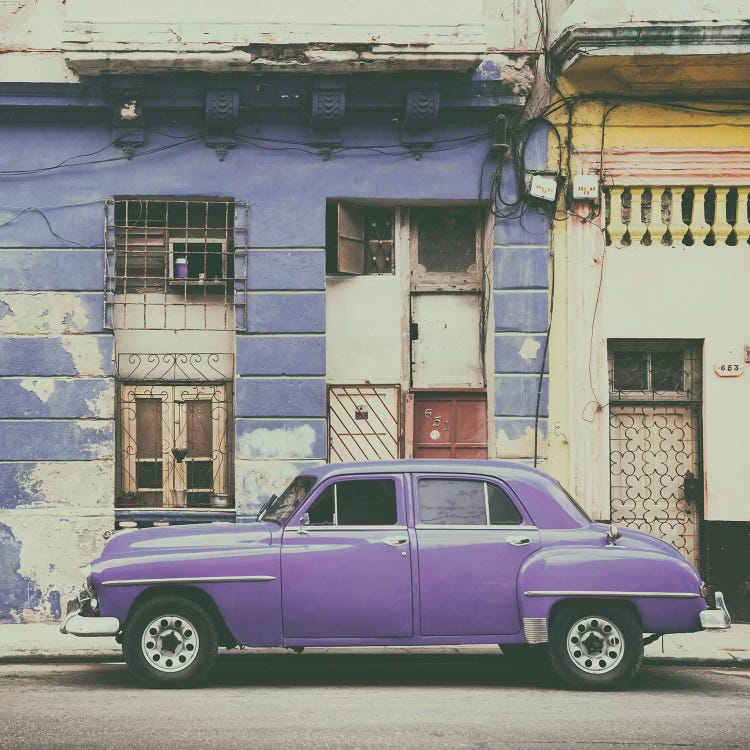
<point>505,469</point>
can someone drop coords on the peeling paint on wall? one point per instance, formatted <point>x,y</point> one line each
<point>42,387</point>
<point>72,484</point>
<point>280,443</point>
<point>49,573</point>
<point>529,348</point>
<point>43,312</point>
<point>88,358</point>
<point>16,592</point>
<point>521,446</point>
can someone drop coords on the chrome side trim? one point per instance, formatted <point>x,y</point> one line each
<point>535,629</point>
<point>205,579</point>
<point>649,594</point>
<point>313,528</point>
<point>476,527</point>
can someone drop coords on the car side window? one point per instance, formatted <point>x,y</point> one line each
<point>366,502</point>
<point>464,502</point>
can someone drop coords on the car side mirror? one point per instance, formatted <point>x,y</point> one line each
<point>304,522</point>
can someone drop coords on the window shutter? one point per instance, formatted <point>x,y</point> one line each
<point>351,239</point>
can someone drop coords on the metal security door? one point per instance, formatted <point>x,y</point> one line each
<point>364,422</point>
<point>450,425</point>
<point>655,447</point>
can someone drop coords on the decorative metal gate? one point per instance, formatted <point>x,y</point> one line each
<point>655,441</point>
<point>364,422</point>
<point>173,437</point>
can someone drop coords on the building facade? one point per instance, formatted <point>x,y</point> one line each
<point>649,387</point>
<point>231,247</point>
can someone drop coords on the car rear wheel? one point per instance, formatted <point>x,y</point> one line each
<point>596,647</point>
<point>170,642</point>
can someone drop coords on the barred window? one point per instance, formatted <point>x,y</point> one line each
<point>175,263</point>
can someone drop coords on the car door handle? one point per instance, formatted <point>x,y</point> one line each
<point>396,541</point>
<point>518,540</point>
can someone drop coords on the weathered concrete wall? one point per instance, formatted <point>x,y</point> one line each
<point>56,426</point>
<point>54,41</point>
<point>520,303</point>
<point>280,386</point>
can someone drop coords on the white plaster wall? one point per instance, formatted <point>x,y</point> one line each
<point>661,292</point>
<point>446,354</point>
<point>594,13</point>
<point>364,323</point>
<point>33,32</point>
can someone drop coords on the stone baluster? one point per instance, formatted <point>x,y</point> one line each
<point>742,225</point>
<point>699,227</point>
<point>637,227</point>
<point>674,224</point>
<point>722,228</point>
<point>616,227</point>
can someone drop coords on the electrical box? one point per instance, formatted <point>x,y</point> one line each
<point>543,187</point>
<point>585,187</point>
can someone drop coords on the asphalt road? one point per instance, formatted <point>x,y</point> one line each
<point>366,700</point>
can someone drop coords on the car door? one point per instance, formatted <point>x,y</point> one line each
<point>346,573</point>
<point>472,537</point>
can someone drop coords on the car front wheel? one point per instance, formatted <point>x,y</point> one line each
<point>595,648</point>
<point>170,642</point>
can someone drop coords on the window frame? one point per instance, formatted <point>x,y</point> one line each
<point>174,411</point>
<point>401,518</point>
<point>437,281</point>
<point>523,523</point>
<point>692,365</point>
<point>346,227</point>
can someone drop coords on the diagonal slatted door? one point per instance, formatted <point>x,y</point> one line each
<point>364,422</point>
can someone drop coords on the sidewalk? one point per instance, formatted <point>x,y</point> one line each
<point>44,642</point>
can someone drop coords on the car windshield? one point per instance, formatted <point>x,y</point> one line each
<point>280,510</point>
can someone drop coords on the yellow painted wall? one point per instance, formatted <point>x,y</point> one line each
<point>629,126</point>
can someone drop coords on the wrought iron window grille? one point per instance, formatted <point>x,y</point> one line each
<point>175,263</point>
<point>654,370</point>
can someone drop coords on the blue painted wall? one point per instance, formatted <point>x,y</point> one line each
<point>280,390</point>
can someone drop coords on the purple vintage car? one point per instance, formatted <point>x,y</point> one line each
<point>396,553</point>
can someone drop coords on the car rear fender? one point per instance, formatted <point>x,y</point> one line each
<point>662,590</point>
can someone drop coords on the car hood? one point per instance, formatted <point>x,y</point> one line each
<point>188,537</point>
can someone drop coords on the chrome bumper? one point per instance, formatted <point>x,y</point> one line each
<point>76,624</point>
<point>716,619</point>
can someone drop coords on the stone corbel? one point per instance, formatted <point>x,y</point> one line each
<point>327,114</point>
<point>126,95</point>
<point>420,117</point>
<point>222,120</point>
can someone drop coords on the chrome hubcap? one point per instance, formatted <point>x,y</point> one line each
<point>595,645</point>
<point>170,643</point>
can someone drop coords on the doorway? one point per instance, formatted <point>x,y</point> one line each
<point>450,425</point>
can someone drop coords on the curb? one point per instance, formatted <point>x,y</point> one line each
<point>116,657</point>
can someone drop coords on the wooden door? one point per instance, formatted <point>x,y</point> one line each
<point>450,425</point>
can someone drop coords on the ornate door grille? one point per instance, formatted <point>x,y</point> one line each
<point>174,435</point>
<point>364,422</point>
<point>655,441</point>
